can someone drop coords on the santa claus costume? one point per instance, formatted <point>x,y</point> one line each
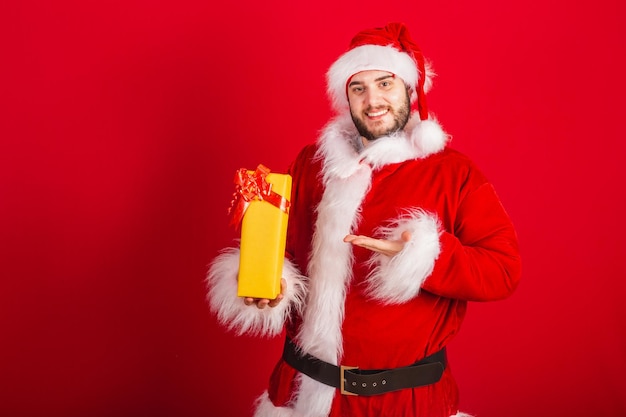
<point>345,306</point>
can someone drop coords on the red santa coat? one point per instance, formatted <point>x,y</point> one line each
<point>353,307</point>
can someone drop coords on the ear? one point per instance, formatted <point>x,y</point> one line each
<point>410,92</point>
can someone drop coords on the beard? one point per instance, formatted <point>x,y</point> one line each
<point>400,118</point>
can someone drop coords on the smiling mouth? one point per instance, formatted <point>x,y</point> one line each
<point>377,113</point>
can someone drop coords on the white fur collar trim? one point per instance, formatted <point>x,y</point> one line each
<point>342,152</point>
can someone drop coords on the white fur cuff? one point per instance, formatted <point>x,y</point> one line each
<point>231,310</point>
<point>397,279</point>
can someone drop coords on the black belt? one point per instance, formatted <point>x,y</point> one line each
<point>354,381</point>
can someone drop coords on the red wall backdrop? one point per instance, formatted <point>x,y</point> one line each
<point>124,121</point>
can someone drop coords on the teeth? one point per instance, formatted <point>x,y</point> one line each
<point>378,113</point>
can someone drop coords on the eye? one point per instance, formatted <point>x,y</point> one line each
<point>357,89</point>
<point>385,84</point>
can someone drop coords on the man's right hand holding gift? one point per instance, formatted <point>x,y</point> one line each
<point>261,303</point>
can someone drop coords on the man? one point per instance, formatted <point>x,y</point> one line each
<point>390,234</point>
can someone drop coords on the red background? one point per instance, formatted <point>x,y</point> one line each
<point>122,126</point>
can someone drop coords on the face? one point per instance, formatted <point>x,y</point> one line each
<point>379,103</point>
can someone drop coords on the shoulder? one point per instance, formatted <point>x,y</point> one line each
<point>307,152</point>
<point>448,159</point>
<point>305,160</point>
<point>450,169</point>
<point>457,162</point>
<point>306,155</point>
<point>452,156</point>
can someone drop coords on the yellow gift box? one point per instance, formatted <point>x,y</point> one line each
<point>263,200</point>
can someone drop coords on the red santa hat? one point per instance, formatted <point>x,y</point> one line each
<point>389,48</point>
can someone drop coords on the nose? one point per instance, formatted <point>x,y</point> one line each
<point>372,98</point>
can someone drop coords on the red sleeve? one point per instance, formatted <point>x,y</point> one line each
<point>305,194</point>
<point>479,260</point>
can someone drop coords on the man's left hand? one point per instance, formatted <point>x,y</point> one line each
<point>386,247</point>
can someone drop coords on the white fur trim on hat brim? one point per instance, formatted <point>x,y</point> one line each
<point>231,310</point>
<point>368,57</point>
<point>398,279</point>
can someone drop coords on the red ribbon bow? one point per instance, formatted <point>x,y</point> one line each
<point>253,186</point>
